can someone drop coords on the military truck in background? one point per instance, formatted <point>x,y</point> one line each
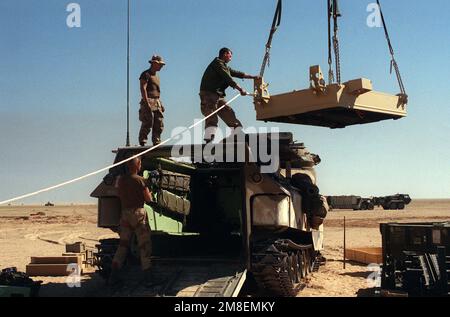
<point>350,202</point>
<point>217,224</point>
<point>393,202</point>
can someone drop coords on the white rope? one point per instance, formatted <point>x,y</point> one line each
<point>118,163</point>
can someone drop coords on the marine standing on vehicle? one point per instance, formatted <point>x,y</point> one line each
<point>216,78</point>
<point>151,111</point>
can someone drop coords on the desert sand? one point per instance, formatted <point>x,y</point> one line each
<point>27,231</point>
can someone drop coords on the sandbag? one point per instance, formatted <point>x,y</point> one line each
<point>174,181</point>
<point>174,203</point>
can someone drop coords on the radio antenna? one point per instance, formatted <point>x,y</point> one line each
<point>128,75</point>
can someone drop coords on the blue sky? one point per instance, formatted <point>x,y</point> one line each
<point>63,90</point>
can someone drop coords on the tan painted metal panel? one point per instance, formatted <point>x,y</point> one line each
<point>337,106</point>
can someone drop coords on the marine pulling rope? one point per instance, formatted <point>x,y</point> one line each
<point>118,163</point>
<point>275,24</point>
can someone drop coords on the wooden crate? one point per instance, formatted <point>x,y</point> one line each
<point>365,255</point>
<point>77,247</point>
<point>50,269</point>
<point>56,259</point>
<point>54,265</point>
<point>82,256</point>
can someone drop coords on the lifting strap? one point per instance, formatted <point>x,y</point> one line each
<point>403,96</point>
<point>275,24</point>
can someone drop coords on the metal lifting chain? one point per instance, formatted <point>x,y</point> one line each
<point>333,12</point>
<point>330,58</point>
<point>275,24</point>
<point>403,94</point>
<point>336,15</point>
<point>337,58</point>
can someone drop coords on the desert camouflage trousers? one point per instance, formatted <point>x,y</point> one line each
<point>209,103</point>
<point>134,221</point>
<point>151,116</point>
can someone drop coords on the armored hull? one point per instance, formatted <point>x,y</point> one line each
<point>262,223</point>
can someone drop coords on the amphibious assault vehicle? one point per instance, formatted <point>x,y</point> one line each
<point>223,214</point>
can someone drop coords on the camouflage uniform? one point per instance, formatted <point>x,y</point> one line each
<point>134,219</point>
<point>152,120</point>
<point>210,102</point>
<point>151,113</point>
<point>217,78</point>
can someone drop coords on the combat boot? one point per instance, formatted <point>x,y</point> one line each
<point>142,141</point>
<point>156,142</point>
<point>321,259</point>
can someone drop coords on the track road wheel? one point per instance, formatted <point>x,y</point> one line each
<point>297,274</point>
<point>291,268</point>
<point>301,264</point>
<point>310,260</point>
<point>306,263</point>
